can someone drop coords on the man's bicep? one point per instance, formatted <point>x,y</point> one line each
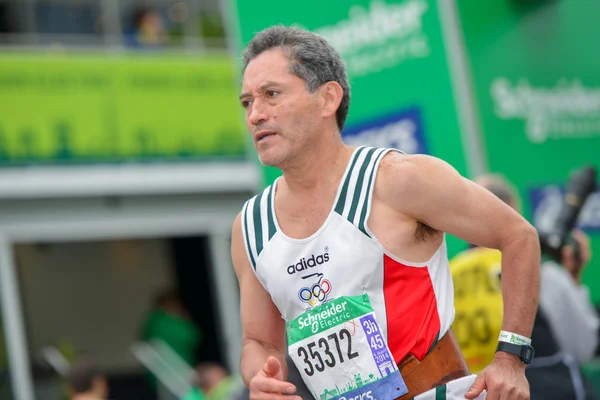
<point>433,192</point>
<point>470,212</point>
<point>261,320</point>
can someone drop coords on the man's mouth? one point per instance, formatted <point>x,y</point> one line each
<point>263,135</point>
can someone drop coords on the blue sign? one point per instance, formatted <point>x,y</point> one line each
<point>401,130</point>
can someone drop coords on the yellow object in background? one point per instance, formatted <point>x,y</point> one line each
<point>478,304</point>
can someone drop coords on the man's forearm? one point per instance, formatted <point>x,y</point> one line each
<point>254,357</point>
<point>521,282</point>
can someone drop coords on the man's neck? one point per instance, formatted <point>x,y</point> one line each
<point>322,167</point>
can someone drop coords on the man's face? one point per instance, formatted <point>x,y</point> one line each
<point>281,114</point>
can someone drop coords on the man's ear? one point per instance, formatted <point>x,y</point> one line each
<point>331,94</point>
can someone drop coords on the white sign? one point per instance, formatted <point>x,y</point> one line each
<point>568,110</point>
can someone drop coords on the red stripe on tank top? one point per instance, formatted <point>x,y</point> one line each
<point>412,315</point>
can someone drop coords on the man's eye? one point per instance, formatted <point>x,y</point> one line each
<point>246,103</point>
<point>272,93</point>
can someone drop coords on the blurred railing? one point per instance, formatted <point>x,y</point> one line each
<point>127,25</point>
<point>175,377</point>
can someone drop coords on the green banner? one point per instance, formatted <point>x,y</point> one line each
<point>397,65</point>
<point>84,108</point>
<point>537,84</point>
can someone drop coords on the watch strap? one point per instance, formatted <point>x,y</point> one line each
<point>524,352</point>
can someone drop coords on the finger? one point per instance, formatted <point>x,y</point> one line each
<point>581,237</point>
<point>476,388</point>
<point>586,254</point>
<point>567,257</point>
<point>264,384</point>
<point>273,368</point>
<point>584,245</point>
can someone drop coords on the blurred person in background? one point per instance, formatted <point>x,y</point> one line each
<point>169,322</point>
<point>148,29</point>
<point>565,332</point>
<point>85,382</point>
<point>213,382</point>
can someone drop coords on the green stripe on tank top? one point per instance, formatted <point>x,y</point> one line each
<point>258,225</point>
<point>363,213</point>
<point>339,207</point>
<point>440,392</point>
<point>270,219</point>
<point>247,234</point>
<point>359,185</point>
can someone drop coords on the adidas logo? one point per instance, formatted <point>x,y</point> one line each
<point>306,263</point>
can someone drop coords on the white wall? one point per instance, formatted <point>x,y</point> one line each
<point>92,295</point>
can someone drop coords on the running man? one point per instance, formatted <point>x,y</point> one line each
<point>342,262</point>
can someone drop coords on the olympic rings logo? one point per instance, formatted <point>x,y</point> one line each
<point>315,294</point>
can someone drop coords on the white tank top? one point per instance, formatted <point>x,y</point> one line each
<point>413,302</point>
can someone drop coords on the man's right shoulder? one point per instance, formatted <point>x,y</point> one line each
<point>248,212</point>
<point>258,195</point>
<point>244,209</point>
<point>252,205</point>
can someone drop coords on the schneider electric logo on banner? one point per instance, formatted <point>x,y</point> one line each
<point>381,36</point>
<point>401,130</point>
<point>567,110</point>
<point>546,202</point>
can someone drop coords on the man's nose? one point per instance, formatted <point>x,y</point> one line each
<point>257,113</point>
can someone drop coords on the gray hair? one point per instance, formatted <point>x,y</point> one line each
<point>311,58</point>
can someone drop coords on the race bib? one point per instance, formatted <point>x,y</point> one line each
<point>340,352</point>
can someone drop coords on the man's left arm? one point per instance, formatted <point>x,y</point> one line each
<point>432,192</point>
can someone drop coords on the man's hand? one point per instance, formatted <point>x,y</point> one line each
<point>575,265</point>
<point>268,383</point>
<point>503,379</point>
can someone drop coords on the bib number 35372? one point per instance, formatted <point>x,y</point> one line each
<point>341,354</point>
<point>327,351</point>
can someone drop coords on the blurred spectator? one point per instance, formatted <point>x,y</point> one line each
<point>214,383</point>
<point>148,29</point>
<point>170,322</point>
<point>565,332</point>
<point>85,382</point>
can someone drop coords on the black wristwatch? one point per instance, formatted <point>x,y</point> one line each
<point>524,352</point>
